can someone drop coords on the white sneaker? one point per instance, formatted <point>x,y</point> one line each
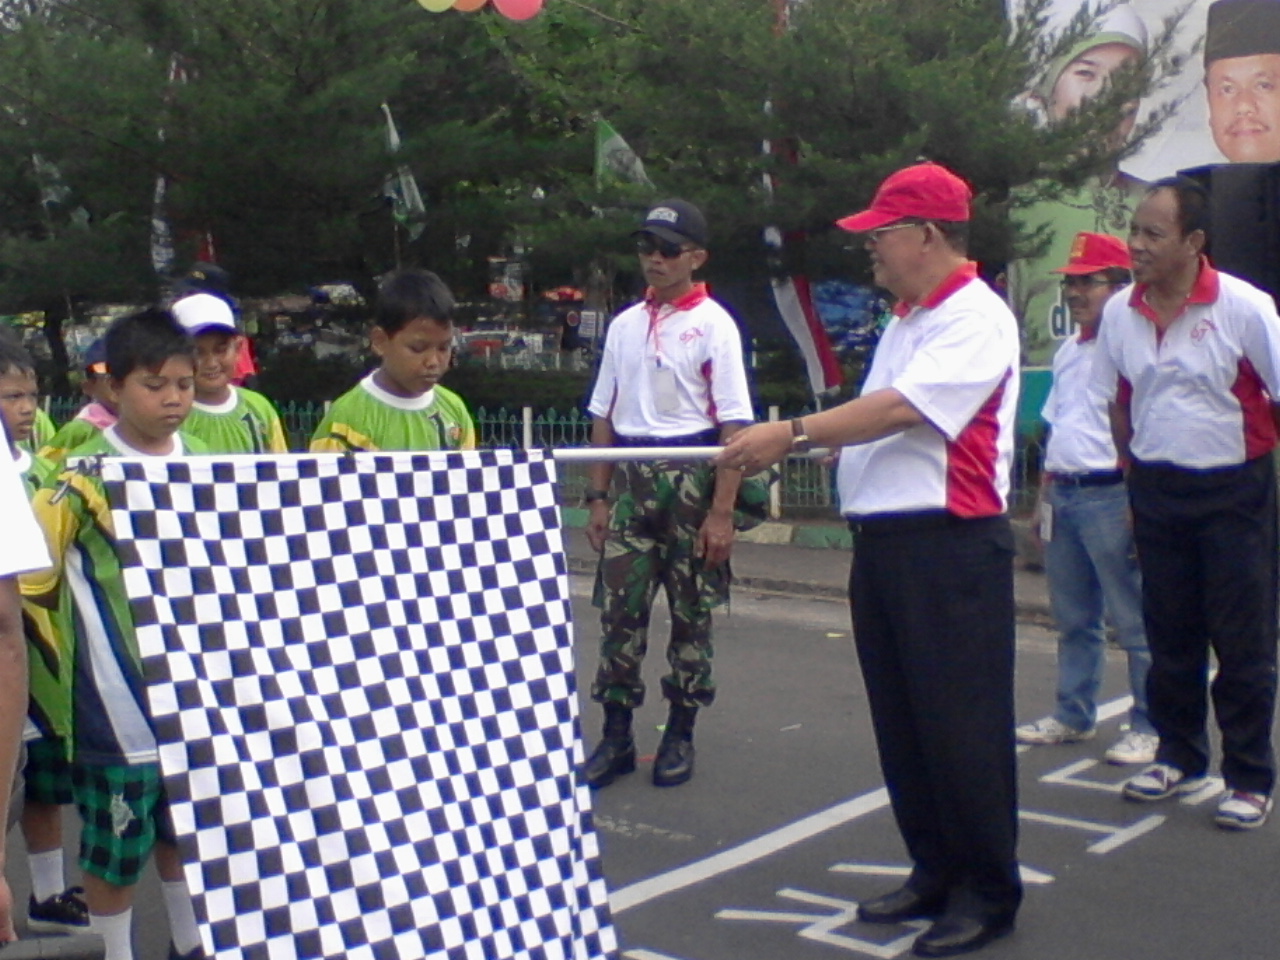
<point>1161,780</point>
<point>1051,730</point>
<point>1241,810</point>
<point>1133,747</point>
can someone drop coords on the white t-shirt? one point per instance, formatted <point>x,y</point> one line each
<point>22,548</point>
<point>671,370</point>
<point>1080,439</point>
<point>955,358</point>
<point>1199,395</point>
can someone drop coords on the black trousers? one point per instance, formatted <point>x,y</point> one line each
<point>933,616</point>
<point>1207,550</point>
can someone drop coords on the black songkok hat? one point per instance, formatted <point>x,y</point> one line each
<point>1241,28</point>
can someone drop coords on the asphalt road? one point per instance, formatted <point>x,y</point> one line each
<point>764,855</point>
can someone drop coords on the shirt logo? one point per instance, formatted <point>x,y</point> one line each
<point>1201,329</point>
<point>690,335</point>
<point>665,214</point>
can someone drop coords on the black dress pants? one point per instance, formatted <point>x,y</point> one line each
<point>933,616</point>
<point>1207,550</point>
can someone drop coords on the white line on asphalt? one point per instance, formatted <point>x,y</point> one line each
<point>1029,874</point>
<point>642,891</point>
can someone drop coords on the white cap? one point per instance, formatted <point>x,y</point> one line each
<point>202,312</point>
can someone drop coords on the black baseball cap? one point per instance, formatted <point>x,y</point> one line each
<point>677,221</point>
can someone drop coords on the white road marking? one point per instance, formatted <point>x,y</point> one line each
<point>821,928</point>
<point>1029,874</point>
<point>1066,776</point>
<point>1114,836</point>
<point>642,891</point>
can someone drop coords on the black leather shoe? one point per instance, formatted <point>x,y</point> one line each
<point>902,904</point>
<point>613,757</point>
<point>673,764</point>
<point>955,935</point>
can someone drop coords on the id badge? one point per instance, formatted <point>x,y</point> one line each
<point>1046,522</point>
<point>666,399</point>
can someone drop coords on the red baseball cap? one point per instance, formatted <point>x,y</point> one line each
<point>927,191</point>
<point>1095,252</point>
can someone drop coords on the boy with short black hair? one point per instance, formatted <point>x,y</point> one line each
<point>228,418</point>
<point>94,417</point>
<point>118,789</point>
<point>400,405</point>
<point>53,907</point>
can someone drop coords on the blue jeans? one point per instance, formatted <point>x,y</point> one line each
<point>1092,567</point>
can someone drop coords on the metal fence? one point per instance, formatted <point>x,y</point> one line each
<point>806,488</point>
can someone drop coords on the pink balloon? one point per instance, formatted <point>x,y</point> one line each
<point>518,9</point>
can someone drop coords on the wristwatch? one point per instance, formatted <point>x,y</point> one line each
<point>800,442</point>
<point>591,496</point>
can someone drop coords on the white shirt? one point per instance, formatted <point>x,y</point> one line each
<point>1080,439</point>
<point>23,548</point>
<point>955,358</point>
<point>671,370</point>
<point>1199,395</point>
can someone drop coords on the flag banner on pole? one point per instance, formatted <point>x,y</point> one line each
<point>616,162</point>
<point>795,304</point>
<point>401,188</point>
<point>360,675</point>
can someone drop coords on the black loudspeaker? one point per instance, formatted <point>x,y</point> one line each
<point>1244,220</point>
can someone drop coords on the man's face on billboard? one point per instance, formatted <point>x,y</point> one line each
<point>1244,107</point>
<point>1084,78</point>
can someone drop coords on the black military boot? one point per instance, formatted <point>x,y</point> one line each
<point>615,754</point>
<point>674,763</point>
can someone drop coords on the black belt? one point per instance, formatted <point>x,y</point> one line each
<point>707,438</point>
<point>1094,478</point>
<point>912,522</point>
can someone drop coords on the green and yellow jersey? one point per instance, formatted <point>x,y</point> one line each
<point>246,423</point>
<point>368,418</point>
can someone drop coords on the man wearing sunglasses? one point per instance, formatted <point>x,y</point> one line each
<point>924,482</point>
<point>1084,522</point>
<point>671,375</point>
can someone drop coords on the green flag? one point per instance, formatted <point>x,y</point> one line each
<point>401,189</point>
<point>616,162</point>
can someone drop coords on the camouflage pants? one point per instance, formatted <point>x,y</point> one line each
<point>653,533</point>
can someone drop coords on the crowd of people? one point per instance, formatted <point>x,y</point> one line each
<point>1158,511</point>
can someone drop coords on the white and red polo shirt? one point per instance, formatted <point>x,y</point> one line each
<point>1199,393</point>
<point>692,345</point>
<point>954,356</point>
<point>1080,437</point>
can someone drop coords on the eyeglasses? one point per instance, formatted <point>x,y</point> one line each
<point>648,244</point>
<point>874,236</point>
<point>1084,280</point>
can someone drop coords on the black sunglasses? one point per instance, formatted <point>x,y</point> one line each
<point>647,244</point>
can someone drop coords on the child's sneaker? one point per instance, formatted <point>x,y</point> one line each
<point>1161,780</point>
<point>64,912</point>
<point>1133,748</point>
<point>1050,730</point>
<point>1242,810</point>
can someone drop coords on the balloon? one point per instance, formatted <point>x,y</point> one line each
<point>517,9</point>
<point>436,6</point>
<point>469,6</point>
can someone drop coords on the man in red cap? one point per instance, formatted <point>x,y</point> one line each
<point>924,481</point>
<point>1084,522</point>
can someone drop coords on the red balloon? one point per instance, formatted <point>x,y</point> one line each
<point>518,9</point>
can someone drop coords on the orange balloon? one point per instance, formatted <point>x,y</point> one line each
<point>469,6</point>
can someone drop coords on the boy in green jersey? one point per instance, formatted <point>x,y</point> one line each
<point>400,405</point>
<point>94,417</point>
<point>229,419</point>
<point>115,760</point>
<point>53,907</point>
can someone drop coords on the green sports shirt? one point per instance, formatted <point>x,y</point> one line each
<point>246,423</point>
<point>368,418</point>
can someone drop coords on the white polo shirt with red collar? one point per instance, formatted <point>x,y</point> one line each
<point>671,370</point>
<point>954,356</point>
<point>1199,393</point>
<point>1080,430</point>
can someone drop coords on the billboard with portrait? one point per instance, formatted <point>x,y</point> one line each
<point>1226,109</point>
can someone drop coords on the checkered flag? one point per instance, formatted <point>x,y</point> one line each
<point>360,674</point>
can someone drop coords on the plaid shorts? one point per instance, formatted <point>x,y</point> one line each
<point>48,772</point>
<point>125,812</point>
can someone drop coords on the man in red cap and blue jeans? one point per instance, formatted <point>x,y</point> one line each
<point>924,483</point>
<point>1084,522</point>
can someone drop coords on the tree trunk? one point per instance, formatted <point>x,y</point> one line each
<point>55,314</point>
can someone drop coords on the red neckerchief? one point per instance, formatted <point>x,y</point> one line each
<point>958,278</point>
<point>1204,290</point>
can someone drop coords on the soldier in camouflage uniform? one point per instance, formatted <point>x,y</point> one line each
<point>671,375</point>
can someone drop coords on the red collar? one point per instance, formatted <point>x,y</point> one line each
<point>687,302</point>
<point>958,278</point>
<point>1204,290</point>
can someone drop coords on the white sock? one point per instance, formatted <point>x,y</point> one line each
<point>47,879</point>
<point>114,930</point>
<point>182,916</point>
